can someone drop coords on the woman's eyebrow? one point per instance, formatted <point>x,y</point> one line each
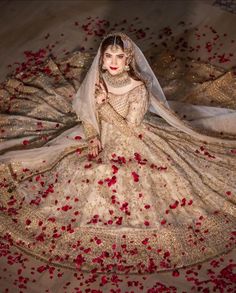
<point>121,54</point>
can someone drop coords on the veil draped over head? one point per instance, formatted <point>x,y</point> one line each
<point>84,102</point>
<point>203,118</point>
<point>204,123</point>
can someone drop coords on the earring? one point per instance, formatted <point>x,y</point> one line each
<point>103,67</point>
<point>126,68</point>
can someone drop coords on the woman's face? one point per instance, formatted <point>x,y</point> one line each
<point>114,60</point>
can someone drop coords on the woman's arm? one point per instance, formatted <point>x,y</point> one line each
<point>137,109</point>
<point>108,114</point>
<point>139,103</point>
<point>89,131</point>
<point>92,137</point>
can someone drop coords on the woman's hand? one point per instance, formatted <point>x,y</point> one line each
<point>101,95</point>
<point>94,146</point>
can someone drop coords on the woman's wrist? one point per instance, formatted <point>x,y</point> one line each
<point>100,105</point>
<point>92,139</point>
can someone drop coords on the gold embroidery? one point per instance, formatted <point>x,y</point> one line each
<point>96,211</point>
<point>89,131</point>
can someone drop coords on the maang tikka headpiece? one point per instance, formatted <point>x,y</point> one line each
<point>114,46</point>
<point>128,47</point>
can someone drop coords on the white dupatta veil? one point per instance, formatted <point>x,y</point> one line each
<point>203,119</point>
<point>84,102</point>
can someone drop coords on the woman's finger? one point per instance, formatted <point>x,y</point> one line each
<point>94,152</point>
<point>99,145</point>
<point>102,87</point>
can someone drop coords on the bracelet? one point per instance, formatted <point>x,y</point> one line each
<point>105,101</point>
<point>90,139</point>
<point>99,106</point>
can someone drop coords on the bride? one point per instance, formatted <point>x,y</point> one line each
<point>124,189</point>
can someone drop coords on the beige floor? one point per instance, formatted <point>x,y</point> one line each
<point>31,25</point>
<point>25,24</point>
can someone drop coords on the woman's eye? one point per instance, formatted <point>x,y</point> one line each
<point>120,57</point>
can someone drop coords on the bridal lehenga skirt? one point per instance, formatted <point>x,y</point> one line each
<point>158,202</point>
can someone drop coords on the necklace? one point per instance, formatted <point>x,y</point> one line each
<point>118,80</point>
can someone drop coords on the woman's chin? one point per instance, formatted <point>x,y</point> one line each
<point>114,72</point>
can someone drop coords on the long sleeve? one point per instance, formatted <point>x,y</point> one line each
<point>139,102</point>
<point>108,114</point>
<point>89,131</point>
<point>138,106</point>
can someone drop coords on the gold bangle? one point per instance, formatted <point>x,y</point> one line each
<point>91,138</point>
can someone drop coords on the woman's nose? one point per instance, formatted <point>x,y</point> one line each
<point>114,61</point>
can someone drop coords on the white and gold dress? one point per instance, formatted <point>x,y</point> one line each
<point>153,199</point>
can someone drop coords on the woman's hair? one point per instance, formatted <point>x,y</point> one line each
<point>110,41</point>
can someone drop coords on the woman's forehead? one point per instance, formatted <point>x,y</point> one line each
<point>114,50</point>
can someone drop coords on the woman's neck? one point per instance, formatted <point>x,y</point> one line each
<point>112,80</point>
<point>117,81</point>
